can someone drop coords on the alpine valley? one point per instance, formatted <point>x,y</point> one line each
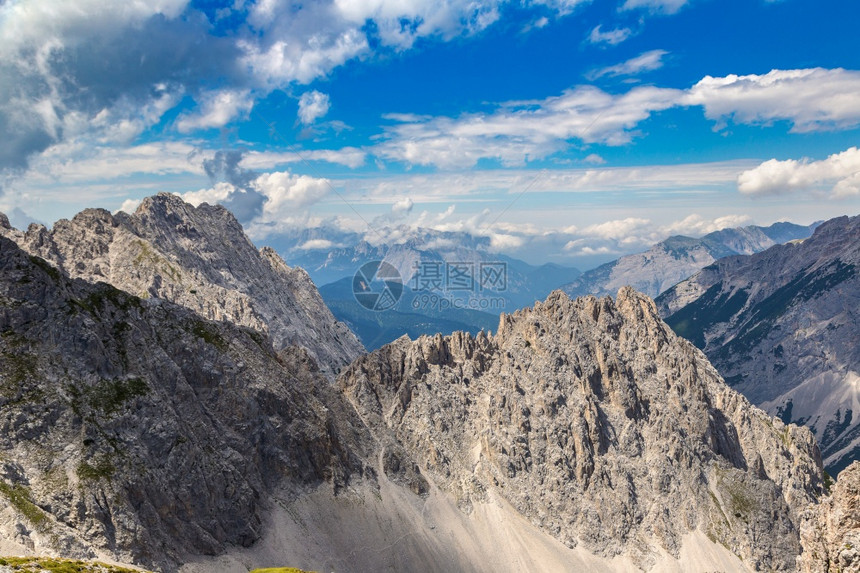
<point>175,399</point>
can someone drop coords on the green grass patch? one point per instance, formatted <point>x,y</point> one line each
<point>42,564</point>
<point>20,498</point>
<point>149,257</point>
<point>209,334</point>
<point>100,469</point>
<point>16,369</point>
<point>50,270</point>
<point>110,396</point>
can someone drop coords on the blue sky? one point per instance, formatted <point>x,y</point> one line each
<point>564,130</point>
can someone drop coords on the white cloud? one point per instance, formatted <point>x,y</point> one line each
<point>696,225</point>
<point>55,57</point>
<point>645,62</point>
<point>55,54</point>
<point>611,37</point>
<point>312,106</point>
<point>348,156</point>
<point>402,207</point>
<point>221,192</point>
<point>129,206</point>
<point>317,245</point>
<point>594,159</point>
<point>656,6</point>
<point>521,131</point>
<point>810,99</point>
<point>286,192</point>
<point>78,161</point>
<point>217,109</point>
<point>840,173</point>
<point>618,229</point>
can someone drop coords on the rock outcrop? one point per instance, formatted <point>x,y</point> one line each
<point>782,328</point>
<point>200,258</point>
<point>133,428</point>
<point>599,425</point>
<point>831,530</point>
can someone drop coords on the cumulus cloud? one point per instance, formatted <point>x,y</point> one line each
<point>402,207</point>
<point>840,173</point>
<point>129,206</point>
<point>645,62</point>
<point>106,69</point>
<point>216,109</point>
<point>810,99</point>
<point>112,70</point>
<point>285,191</point>
<point>312,106</point>
<point>610,37</point>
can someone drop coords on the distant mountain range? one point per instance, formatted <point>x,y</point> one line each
<point>783,327</point>
<point>451,281</point>
<point>678,257</point>
<point>332,259</point>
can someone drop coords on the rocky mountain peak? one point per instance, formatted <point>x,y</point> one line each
<point>596,422</point>
<point>198,257</point>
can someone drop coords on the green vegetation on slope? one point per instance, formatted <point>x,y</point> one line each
<point>42,564</point>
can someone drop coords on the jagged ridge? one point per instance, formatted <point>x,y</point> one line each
<point>198,257</point>
<point>600,425</point>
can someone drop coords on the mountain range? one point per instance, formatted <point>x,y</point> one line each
<point>679,257</point>
<point>152,427</point>
<point>417,252</point>
<point>782,327</point>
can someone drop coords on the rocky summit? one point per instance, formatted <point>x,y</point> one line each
<point>200,258</point>
<point>600,426</point>
<point>144,423</point>
<point>133,428</point>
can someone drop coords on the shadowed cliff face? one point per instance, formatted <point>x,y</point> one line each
<point>200,258</point>
<point>781,327</point>
<point>599,425</point>
<point>136,428</point>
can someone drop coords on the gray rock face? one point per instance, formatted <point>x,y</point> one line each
<point>677,258</point>
<point>782,328</point>
<point>831,531</point>
<point>599,425</point>
<point>201,259</point>
<point>136,429</point>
